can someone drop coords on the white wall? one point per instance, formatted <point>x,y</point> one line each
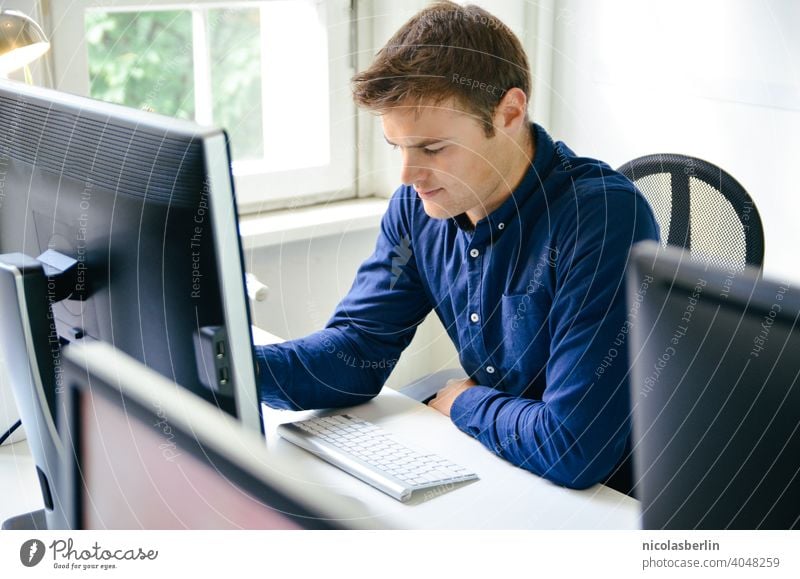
<point>308,278</point>
<point>715,79</point>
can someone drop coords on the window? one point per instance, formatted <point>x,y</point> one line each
<point>275,74</point>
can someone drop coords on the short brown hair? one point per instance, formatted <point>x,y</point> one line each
<point>446,51</point>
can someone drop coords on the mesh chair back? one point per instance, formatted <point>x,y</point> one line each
<point>701,208</point>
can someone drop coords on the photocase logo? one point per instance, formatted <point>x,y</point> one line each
<point>403,251</point>
<point>31,552</point>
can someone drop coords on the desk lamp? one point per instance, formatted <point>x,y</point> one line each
<point>21,42</point>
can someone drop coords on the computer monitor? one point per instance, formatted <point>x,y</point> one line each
<point>120,226</point>
<point>149,455</point>
<point>715,394</point>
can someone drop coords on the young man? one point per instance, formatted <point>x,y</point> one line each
<point>518,245</point>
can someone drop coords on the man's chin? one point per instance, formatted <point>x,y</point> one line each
<point>436,211</point>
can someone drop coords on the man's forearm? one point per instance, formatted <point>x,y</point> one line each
<point>529,435</point>
<point>322,370</point>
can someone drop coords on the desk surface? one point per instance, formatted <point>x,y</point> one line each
<point>19,486</point>
<point>505,497</point>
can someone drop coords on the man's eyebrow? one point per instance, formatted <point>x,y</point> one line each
<point>420,144</point>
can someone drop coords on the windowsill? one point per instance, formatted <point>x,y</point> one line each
<point>290,225</point>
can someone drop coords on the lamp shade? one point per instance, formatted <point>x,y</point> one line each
<point>21,41</point>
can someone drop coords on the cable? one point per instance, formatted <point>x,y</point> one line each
<point>10,431</point>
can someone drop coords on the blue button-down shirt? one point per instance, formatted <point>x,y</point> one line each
<point>533,299</point>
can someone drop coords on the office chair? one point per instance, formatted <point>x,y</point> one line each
<point>700,208</point>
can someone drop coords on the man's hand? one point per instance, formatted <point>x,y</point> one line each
<point>444,399</point>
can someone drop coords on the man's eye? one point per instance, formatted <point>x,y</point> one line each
<point>431,152</point>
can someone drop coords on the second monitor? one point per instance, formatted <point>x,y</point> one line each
<point>715,383</point>
<point>149,455</point>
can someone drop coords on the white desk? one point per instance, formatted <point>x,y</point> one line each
<point>505,497</point>
<point>19,486</point>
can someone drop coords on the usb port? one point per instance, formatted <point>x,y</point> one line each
<point>220,347</point>
<point>223,375</point>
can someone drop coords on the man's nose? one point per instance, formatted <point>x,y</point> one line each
<point>412,171</point>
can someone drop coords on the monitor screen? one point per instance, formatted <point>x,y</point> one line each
<point>137,474</point>
<point>715,394</point>
<point>132,220</point>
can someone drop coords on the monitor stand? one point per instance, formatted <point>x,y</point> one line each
<point>33,521</point>
<point>29,350</point>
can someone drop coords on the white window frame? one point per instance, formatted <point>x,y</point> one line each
<point>256,191</point>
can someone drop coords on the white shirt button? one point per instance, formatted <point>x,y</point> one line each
<point>501,226</point>
<point>474,253</point>
<point>474,317</point>
<point>490,369</point>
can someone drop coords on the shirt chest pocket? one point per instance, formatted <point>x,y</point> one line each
<point>526,333</point>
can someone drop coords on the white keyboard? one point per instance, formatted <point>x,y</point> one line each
<point>370,453</point>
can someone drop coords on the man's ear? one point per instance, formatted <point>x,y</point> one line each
<point>510,113</point>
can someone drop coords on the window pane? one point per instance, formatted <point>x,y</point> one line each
<point>234,38</point>
<point>260,71</point>
<point>296,96</point>
<point>142,60</point>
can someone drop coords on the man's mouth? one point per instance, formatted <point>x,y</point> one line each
<point>428,194</point>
